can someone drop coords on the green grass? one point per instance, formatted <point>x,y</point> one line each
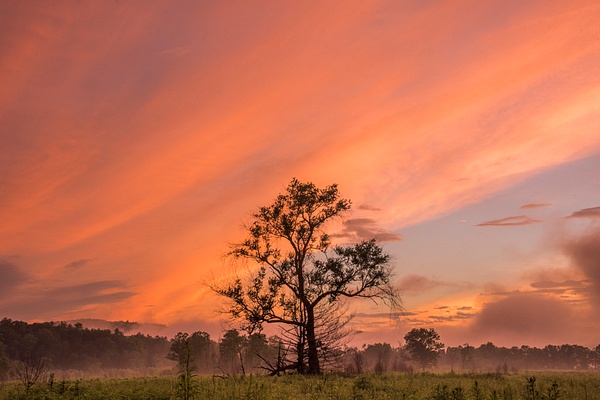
<point>427,386</point>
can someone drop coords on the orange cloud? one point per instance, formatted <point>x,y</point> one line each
<point>136,138</point>
<point>12,277</point>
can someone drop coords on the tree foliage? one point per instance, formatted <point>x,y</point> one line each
<point>300,274</point>
<point>424,346</point>
<point>231,349</point>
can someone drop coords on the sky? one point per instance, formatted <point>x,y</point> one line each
<point>136,138</point>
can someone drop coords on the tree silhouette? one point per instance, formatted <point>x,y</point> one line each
<point>230,351</point>
<point>424,346</point>
<point>380,355</point>
<point>31,370</point>
<point>205,351</point>
<point>300,273</point>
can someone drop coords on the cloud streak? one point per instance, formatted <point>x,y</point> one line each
<point>592,212</point>
<point>418,283</point>
<point>78,264</point>
<point>534,205</point>
<point>519,220</point>
<point>365,229</point>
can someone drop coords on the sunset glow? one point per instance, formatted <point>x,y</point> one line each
<point>136,137</point>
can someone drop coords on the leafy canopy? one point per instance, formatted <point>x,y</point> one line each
<point>424,346</point>
<point>301,277</point>
<point>298,265</point>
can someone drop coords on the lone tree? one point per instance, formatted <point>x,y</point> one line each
<point>424,346</point>
<point>300,273</point>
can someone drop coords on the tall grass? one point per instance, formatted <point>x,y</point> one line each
<point>425,386</point>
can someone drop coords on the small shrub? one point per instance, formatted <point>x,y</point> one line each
<point>553,391</point>
<point>477,393</point>
<point>441,392</point>
<point>531,391</point>
<point>30,371</point>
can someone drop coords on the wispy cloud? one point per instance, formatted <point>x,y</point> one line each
<point>519,220</point>
<point>570,287</point>
<point>592,212</point>
<point>554,285</point>
<point>368,207</point>
<point>386,315</point>
<point>78,263</point>
<point>420,284</point>
<point>366,228</point>
<point>459,315</point>
<point>534,205</point>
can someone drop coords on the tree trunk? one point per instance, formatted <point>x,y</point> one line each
<point>313,354</point>
<point>300,351</point>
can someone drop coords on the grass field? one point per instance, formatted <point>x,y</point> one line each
<point>544,386</point>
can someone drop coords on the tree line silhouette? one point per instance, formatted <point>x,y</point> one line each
<point>64,346</point>
<point>60,346</point>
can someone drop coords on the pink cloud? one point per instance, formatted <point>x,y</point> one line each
<point>571,287</point>
<point>511,221</point>
<point>524,318</point>
<point>365,229</point>
<point>584,252</point>
<point>534,205</point>
<point>418,283</point>
<point>592,212</point>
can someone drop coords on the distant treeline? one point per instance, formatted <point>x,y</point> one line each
<point>63,346</point>
<point>383,357</point>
